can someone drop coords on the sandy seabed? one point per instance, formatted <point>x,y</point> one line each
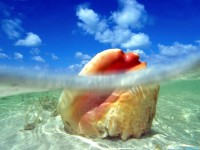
<point>9,89</point>
<point>176,125</point>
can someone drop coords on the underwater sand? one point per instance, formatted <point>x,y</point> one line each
<point>176,125</point>
<point>14,89</point>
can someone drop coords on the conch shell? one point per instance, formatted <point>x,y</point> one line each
<point>122,112</point>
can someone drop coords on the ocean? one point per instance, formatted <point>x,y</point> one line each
<point>29,121</point>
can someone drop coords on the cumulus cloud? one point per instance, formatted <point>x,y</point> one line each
<point>117,28</point>
<point>35,51</point>
<point>137,40</point>
<point>138,51</point>
<point>30,40</point>
<point>198,42</point>
<point>12,28</point>
<point>131,15</point>
<point>38,58</point>
<point>177,49</point>
<point>91,22</point>
<point>37,68</point>
<point>84,59</point>
<point>74,66</point>
<point>18,56</point>
<point>168,53</point>
<point>3,56</point>
<point>54,57</point>
<point>80,55</point>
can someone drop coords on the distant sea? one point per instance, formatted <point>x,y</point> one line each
<point>29,121</point>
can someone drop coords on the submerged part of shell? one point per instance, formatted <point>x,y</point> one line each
<point>121,112</point>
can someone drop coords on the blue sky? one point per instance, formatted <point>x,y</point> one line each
<point>63,35</point>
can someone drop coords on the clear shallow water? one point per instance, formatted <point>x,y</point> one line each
<point>176,125</point>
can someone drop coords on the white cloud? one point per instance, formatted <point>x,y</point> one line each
<point>30,40</point>
<point>168,53</point>
<point>123,37</point>
<point>72,67</point>
<point>137,40</point>
<point>75,68</point>
<point>138,51</point>
<point>18,56</point>
<point>115,36</point>
<point>83,62</point>
<point>141,53</point>
<point>84,59</point>
<point>12,28</point>
<point>177,49</point>
<point>45,68</point>
<point>38,58</point>
<point>90,20</point>
<point>80,55</point>
<point>116,29</point>
<point>132,14</point>
<point>54,57</point>
<point>37,68</point>
<point>35,51</point>
<point>3,56</point>
<point>198,42</point>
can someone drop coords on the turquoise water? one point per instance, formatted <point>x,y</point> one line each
<point>176,125</point>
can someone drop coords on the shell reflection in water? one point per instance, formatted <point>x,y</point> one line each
<point>121,112</point>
